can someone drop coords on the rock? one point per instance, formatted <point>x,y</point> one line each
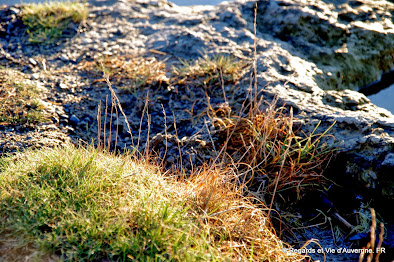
<point>74,120</point>
<point>336,36</point>
<point>64,57</point>
<point>33,62</point>
<point>388,160</point>
<point>171,160</point>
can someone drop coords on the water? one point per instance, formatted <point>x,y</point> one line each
<point>385,98</point>
<point>177,2</point>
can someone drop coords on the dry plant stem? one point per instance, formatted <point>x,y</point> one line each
<point>147,135</point>
<point>255,58</point>
<point>113,94</point>
<point>105,120</point>
<point>110,125</point>
<point>165,132</point>
<point>314,225</point>
<point>117,125</point>
<point>381,235</point>
<point>210,137</point>
<point>283,161</point>
<point>99,126</point>
<point>142,119</point>
<point>343,221</point>
<point>316,241</point>
<point>371,243</point>
<point>372,235</point>
<point>179,146</point>
<point>222,84</point>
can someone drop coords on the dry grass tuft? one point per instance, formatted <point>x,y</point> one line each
<point>210,71</point>
<point>47,22</point>
<point>19,100</point>
<point>238,226</point>
<point>274,157</point>
<point>127,72</point>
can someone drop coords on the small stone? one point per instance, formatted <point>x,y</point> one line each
<point>64,58</point>
<point>63,86</point>
<point>74,120</point>
<point>108,53</point>
<point>170,159</point>
<point>32,61</point>
<point>82,124</point>
<point>35,76</point>
<point>88,119</point>
<point>388,160</point>
<point>86,40</point>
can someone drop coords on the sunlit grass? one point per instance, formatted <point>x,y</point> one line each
<point>210,70</point>
<point>77,204</point>
<point>47,22</point>
<point>129,73</point>
<point>19,100</point>
<point>86,205</point>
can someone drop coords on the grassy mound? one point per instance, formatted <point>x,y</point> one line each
<point>19,100</point>
<point>77,204</point>
<point>47,22</point>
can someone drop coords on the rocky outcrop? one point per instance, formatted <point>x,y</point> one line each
<point>338,45</point>
<point>350,41</point>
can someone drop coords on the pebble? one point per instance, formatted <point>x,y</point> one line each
<point>86,40</point>
<point>64,58</point>
<point>35,76</point>
<point>63,86</point>
<point>32,61</point>
<point>170,159</point>
<point>82,124</point>
<point>74,120</point>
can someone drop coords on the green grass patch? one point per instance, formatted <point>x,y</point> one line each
<point>211,70</point>
<point>47,22</point>
<point>128,73</point>
<point>19,100</point>
<point>78,204</point>
<point>84,205</point>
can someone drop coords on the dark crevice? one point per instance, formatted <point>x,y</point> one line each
<point>385,81</point>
